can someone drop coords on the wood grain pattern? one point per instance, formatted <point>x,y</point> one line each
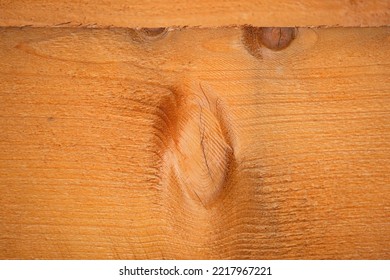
<point>161,13</point>
<point>186,143</point>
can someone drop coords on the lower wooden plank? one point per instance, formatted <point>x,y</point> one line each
<point>233,143</point>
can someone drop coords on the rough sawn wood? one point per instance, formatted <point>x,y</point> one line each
<point>194,143</point>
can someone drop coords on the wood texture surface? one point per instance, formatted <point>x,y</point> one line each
<point>206,13</point>
<point>194,143</point>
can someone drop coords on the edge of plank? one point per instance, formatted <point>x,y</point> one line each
<point>160,13</point>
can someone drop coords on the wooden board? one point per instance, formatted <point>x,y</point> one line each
<point>162,13</point>
<point>233,143</point>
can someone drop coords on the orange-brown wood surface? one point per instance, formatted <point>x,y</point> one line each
<point>206,13</point>
<point>194,143</point>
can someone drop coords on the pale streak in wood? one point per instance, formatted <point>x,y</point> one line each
<point>81,145</point>
<point>158,13</point>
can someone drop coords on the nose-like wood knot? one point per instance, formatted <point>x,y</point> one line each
<point>198,151</point>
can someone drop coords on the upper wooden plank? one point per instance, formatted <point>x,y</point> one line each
<point>141,13</point>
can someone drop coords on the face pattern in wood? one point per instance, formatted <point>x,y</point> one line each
<point>232,143</point>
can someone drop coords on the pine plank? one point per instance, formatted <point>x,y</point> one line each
<point>194,143</point>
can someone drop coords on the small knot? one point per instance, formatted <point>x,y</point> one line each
<point>277,38</point>
<point>273,38</point>
<point>151,33</point>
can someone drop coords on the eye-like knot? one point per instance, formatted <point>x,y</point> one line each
<point>273,38</point>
